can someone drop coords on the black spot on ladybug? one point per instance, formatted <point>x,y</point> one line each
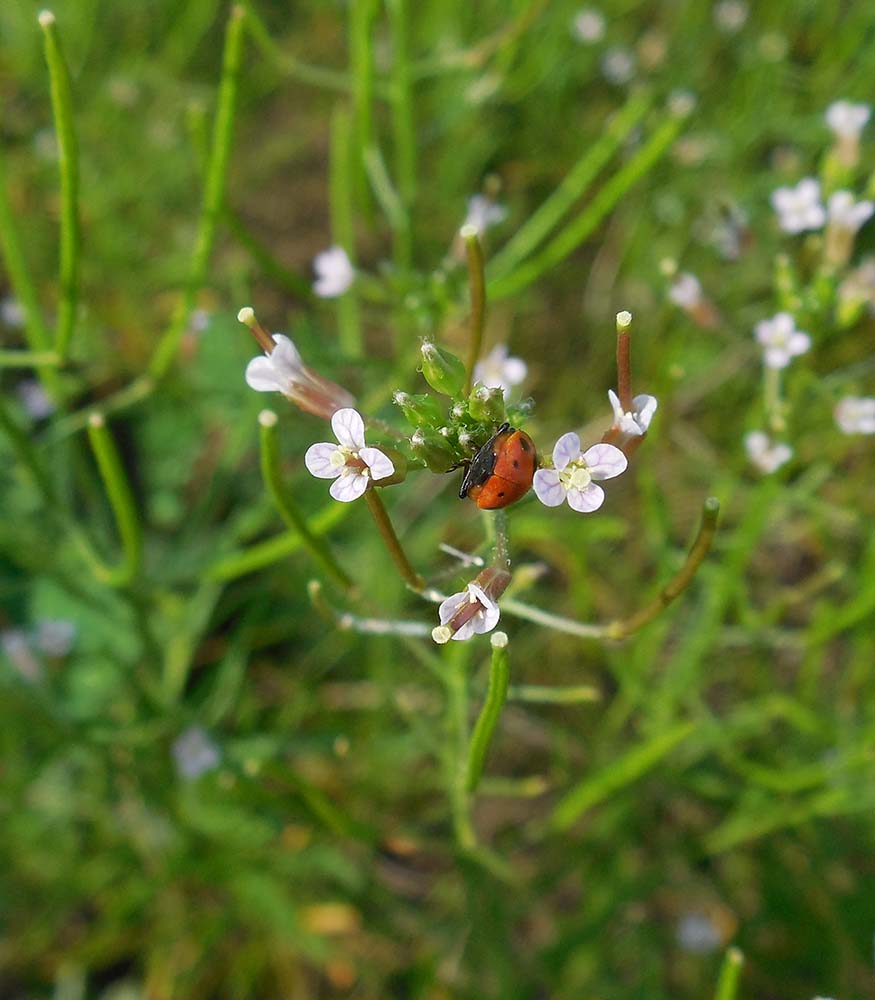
<point>524,445</point>
<point>501,494</point>
<point>516,464</point>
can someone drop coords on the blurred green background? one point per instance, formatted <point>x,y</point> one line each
<point>209,790</point>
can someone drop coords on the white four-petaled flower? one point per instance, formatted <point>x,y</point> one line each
<point>767,455</point>
<point>482,213</point>
<point>350,463</point>
<point>856,415</point>
<point>334,273</point>
<point>846,213</point>
<point>799,208</point>
<point>483,619</point>
<point>847,119</point>
<point>781,340</point>
<point>572,478</point>
<point>685,291</point>
<point>634,422</point>
<point>499,370</point>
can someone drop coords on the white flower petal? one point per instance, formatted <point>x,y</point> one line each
<point>547,488</point>
<point>604,461</point>
<point>799,343</point>
<point>285,355</point>
<point>644,407</point>
<point>349,428</point>
<point>262,376</point>
<point>586,500</point>
<point>349,486</point>
<point>615,405</point>
<point>515,371</point>
<point>477,593</point>
<point>566,450</point>
<point>318,461</point>
<point>486,620</point>
<point>380,464</point>
<point>776,357</point>
<point>451,605</point>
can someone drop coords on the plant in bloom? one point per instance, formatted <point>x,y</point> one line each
<point>799,208</point>
<point>350,463</point>
<point>632,423</point>
<point>781,340</point>
<point>482,213</point>
<point>498,370</point>
<point>847,119</point>
<point>283,370</point>
<point>845,212</point>
<point>473,608</point>
<point>334,273</point>
<point>855,415</point>
<point>55,636</point>
<point>195,753</point>
<point>572,479</point>
<point>767,455</point>
<point>588,25</point>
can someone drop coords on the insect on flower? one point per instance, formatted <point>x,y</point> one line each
<point>502,470</point>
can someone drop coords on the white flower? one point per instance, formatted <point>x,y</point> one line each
<point>697,933</point>
<point>572,477</point>
<point>195,753</point>
<point>283,370</point>
<point>12,312</point>
<point>634,422</point>
<point>55,637</point>
<point>334,273</point>
<point>618,66</point>
<point>766,455</point>
<point>856,415</point>
<point>484,613</point>
<point>685,291</point>
<point>799,207</point>
<point>781,340</point>
<point>730,15</point>
<point>847,119</point>
<point>349,463</point>
<point>14,644</point>
<point>482,213</point>
<point>34,399</point>
<point>199,320</point>
<point>499,370</point>
<point>588,25</point>
<point>846,214</point>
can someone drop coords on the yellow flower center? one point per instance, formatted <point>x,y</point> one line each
<point>575,475</point>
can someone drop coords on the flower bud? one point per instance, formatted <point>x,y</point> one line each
<point>487,405</point>
<point>434,449</point>
<point>443,371</point>
<point>419,409</point>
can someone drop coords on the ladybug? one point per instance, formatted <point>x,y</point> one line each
<point>502,470</point>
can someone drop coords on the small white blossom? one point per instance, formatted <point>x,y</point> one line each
<point>697,933</point>
<point>12,312</point>
<point>799,208</point>
<point>685,291</point>
<point>856,415</point>
<point>572,478</point>
<point>588,25</point>
<point>350,463</point>
<point>14,644</point>
<point>781,340</point>
<point>499,370</point>
<point>55,637</point>
<point>483,619</point>
<point>334,273</point>
<point>847,214</point>
<point>618,66</point>
<point>195,753</point>
<point>634,422</point>
<point>766,455</point>
<point>482,213</point>
<point>730,15</point>
<point>847,120</point>
<point>34,399</point>
<point>199,321</point>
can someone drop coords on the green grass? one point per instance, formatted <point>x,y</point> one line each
<point>391,818</point>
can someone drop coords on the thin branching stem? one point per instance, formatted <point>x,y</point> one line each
<point>477,285</point>
<point>391,541</point>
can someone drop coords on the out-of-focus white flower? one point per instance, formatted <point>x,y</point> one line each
<point>697,933</point>
<point>766,455</point>
<point>730,15</point>
<point>483,212</point>
<point>588,25</point>
<point>856,415</point>
<point>572,478</point>
<point>13,642</point>
<point>199,321</point>
<point>781,340</point>
<point>618,66</point>
<point>634,422</point>
<point>685,291</point>
<point>195,753</point>
<point>499,370</point>
<point>283,370</point>
<point>34,399</point>
<point>847,120</point>
<point>474,611</point>
<point>12,312</point>
<point>681,103</point>
<point>847,213</point>
<point>334,273</point>
<point>55,636</point>
<point>350,463</point>
<point>799,208</point>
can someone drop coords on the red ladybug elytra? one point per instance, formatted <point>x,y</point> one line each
<point>502,470</point>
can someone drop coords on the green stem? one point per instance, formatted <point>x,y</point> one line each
<point>477,285</point>
<point>457,748</point>
<point>402,103</point>
<point>121,500</point>
<point>214,194</point>
<point>361,19</point>
<point>62,108</point>
<point>390,540</point>
<point>29,359</point>
<point>271,268</point>
<point>392,206</point>
<point>288,509</point>
<point>487,721</point>
<point>730,975</point>
<point>536,694</point>
<point>341,184</point>
<point>772,399</point>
